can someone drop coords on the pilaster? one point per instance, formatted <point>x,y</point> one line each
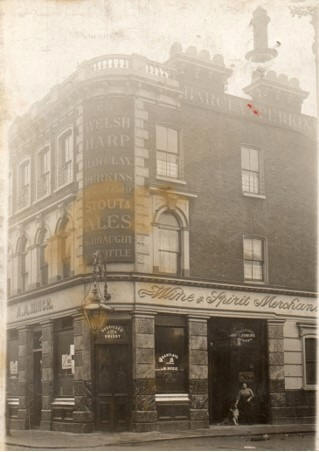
<point>47,374</point>
<point>276,373</point>
<point>198,372</point>
<point>144,414</point>
<point>24,377</point>
<point>83,413</point>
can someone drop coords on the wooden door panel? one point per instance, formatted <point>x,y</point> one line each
<point>112,375</point>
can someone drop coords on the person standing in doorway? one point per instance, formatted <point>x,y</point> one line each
<point>244,403</point>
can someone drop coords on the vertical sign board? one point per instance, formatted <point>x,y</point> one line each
<point>109,178</point>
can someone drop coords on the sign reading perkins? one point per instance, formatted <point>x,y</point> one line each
<point>217,299</point>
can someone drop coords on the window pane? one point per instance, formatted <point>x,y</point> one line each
<point>254,160</point>
<point>172,142</point>
<point>245,158</point>
<point>248,249</point>
<point>248,270</point>
<point>168,219</point>
<point>161,138</point>
<point>257,249</point>
<point>171,359</point>
<point>257,271</point>
<point>63,363</point>
<point>168,262</point>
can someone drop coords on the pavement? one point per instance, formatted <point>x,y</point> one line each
<point>46,440</point>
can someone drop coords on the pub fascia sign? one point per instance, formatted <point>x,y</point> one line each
<point>218,299</point>
<point>34,307</point>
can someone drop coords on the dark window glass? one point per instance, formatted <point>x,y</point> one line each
<point>311,351</point>
<point>12,363</point>
<point>64,358</point>
<point>171,359</point>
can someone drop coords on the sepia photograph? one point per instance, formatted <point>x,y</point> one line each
<point>158,224</point>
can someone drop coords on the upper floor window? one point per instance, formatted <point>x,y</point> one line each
<point>43,181</point>
<point>254,260</point>
<point>251,171</point>
<point>169,244</point>
<point>42,257</point>
<point>310,361</point>
<point>167,155</point>
<point>22,264</point>
<point>65,159</point>
<point>24,184</point>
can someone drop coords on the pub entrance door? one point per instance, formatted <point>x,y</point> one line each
<point>237,354</point>
<point>113,378</point>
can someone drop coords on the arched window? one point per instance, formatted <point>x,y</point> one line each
<point>168,244</point>
<point>42,257</point>
<point>22,264</point>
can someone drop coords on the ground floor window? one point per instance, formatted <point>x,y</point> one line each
<point>64,357</point>
<point>12,363</point>
<point>310,361</point>
<point>170,355</point>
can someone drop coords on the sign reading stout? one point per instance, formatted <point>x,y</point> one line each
<point>108,178</point>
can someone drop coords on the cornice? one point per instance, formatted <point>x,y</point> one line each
<point>149,278</point>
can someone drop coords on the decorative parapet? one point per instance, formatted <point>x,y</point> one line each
<point>276,89</point>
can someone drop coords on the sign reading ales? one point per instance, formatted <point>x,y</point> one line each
<point>108,178</point>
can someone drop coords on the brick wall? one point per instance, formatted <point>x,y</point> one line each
<point>221,214</point>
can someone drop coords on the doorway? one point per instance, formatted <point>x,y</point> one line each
<point>36,402</point>
<point>237,354</point>
<point>112,379</point>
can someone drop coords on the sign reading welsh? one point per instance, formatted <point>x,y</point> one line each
<point>108,178</point>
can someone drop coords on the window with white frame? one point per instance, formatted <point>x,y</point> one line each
<point>169,244</point>
<point>254,259</point>
<point>310,361</point>
<point>251,171</point>
<point>65,159</point>
<point>43,177</point>
<point>24,184</point>
<point>167,152</point>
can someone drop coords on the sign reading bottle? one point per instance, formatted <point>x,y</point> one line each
<point>108,178</point>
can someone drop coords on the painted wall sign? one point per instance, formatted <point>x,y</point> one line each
<point>33,307</point>
<point>222,300</point>
<point>108,178</point>
<point>237,105</point>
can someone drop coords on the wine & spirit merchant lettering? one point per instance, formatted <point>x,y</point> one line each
<point>222,299</point>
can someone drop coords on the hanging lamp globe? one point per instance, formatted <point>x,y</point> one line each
<point>96,311</point>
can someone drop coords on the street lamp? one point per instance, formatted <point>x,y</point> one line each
<point>95,308</point>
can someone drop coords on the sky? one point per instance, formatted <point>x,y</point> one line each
<point>45,40</point>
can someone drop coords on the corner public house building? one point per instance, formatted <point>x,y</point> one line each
<point>204,205</point>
